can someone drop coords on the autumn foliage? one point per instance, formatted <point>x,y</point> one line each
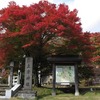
<point>95,37</point>
<point>31,29</point>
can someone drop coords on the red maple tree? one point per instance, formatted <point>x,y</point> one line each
<point>39,30</point>
<point>32,30</point>
<point>33,27</point>
<point>95,37</point>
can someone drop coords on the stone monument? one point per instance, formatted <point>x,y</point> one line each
<point>28,73</point>
<point>27,92</point>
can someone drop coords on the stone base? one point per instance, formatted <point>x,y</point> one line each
<point>27,94</point>
<point>76,93</point>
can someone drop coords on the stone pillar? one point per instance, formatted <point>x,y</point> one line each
<point>11,74</point>
<point>27,93</point>
<point>76,81</point>
<point>28,73</point>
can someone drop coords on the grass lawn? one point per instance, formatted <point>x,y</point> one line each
<point>44,93</point>
<point>70,97</point>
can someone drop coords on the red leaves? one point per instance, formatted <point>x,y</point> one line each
<point>39,23</point>
<point>95,38</point>
<point>61,34</point>
<point>96,58</point>
<point>28,28</point>
<point>34,18</point>
<point>13,34</point>
<point>73,16</point>
<point>72,47</point>
<point>30,20</point>
<point>61,28</point>
<point>40,26</point>
<point>2,57</point>
<point>12,3</point>
<point>28,45</point>
<point>63,9</point>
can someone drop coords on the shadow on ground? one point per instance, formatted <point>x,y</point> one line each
<point>84,90</point>
<point>68,90</point>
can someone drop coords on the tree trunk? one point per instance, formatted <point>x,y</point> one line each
<point>37,83</point>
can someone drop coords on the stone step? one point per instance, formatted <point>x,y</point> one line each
<point>3,87</point>
<point>1,90</point>
<point>2,93</point>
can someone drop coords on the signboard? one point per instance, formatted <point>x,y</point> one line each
<point>28,73</point>
<point>65,74</point>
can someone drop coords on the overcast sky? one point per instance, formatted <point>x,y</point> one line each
<point>88,11</point>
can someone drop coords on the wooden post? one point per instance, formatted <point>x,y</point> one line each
<point>54,78</point>
<point>76,81</point>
